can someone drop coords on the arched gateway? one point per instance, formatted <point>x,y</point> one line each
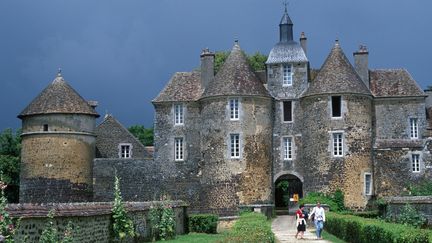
<point>288,185</point>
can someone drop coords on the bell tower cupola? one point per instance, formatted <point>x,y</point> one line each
<point>286,27</point>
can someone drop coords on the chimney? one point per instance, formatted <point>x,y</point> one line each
<point>207,67</point>
<point>361,64</point>
<point>92,103</point>
<point>303,41</point>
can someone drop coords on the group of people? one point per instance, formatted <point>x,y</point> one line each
<point>317,215</point>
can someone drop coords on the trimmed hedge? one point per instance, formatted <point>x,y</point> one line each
<point>251,227</point>
<point>362,230</point>
<point>203,223</point>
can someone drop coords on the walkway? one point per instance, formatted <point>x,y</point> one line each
<point>284,228</point>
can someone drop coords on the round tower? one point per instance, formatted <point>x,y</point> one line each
<point>58,146</point>
<point>235,138</point>
<point>337,131</point>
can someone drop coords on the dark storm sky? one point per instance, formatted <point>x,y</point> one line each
<point>122,53</point>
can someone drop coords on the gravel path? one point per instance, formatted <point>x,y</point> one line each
<point>284,228</point>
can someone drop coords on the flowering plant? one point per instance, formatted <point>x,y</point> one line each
<point>7,226</point>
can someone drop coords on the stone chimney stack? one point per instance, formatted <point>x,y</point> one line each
<point>303,42</point>
<point>361,58</point>
<point>207,67</point>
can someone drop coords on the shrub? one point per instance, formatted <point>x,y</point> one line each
<point>314,197</point>
<point>423,188</point>
<point>251,227</point>
<point>372,214</point>
<point>408,216</point>
<point>356,229</point>
<point>162,223</point>
<point>203,223</point>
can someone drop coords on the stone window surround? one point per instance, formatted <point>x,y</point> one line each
<point>178,111</point>
<point>415,166</point>
<point>283,111</point>
<point>179,153</point>
<point>332,134</point>
<point>365,184</point>
<point>284,152</point>
<point>287,74</point>
<point>234,112</point>
<point>413,128</point>
<point>331,107</point>
<point>238,146</point>
<point>130,147</point>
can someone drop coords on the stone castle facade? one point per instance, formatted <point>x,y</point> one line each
<point>225,140</point>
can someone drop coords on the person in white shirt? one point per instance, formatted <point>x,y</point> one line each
<point>318,215</point>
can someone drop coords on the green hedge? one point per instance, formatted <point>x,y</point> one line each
<point>203,223</point>
<point>251,227</point>
<point>361,230</point>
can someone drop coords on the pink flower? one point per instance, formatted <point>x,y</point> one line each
<point>11,227</point>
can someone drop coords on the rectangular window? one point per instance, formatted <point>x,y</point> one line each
<point>178,114</point>
<point>336,102</point>
<point>413,128</point>
<point>178,149</point>
<point>45,127</point>
<point>368,184</point>
<point>287,111</point>
<point>337,145</point>
<point>287,148</point>
<point>234,109</point>
<point>125,151</point>
<point>287,75</point>
<point>235,145</point>
<point>415,159</point>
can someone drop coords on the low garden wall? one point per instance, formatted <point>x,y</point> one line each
<point>91,221</point>
<point>423,205</point>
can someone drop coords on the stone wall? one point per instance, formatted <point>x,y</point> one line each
<point>423,205</point>
<point>91,221</point>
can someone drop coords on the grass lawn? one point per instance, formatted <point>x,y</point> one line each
<point>197,238</point>
<point>327,236</point>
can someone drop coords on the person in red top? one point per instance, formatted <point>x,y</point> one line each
<point>301,222</point>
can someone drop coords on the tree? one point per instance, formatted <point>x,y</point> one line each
<point>10,157</point>
<point>256,61</point>
<point>144,135</point>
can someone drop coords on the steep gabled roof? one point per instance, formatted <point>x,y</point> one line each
<point>337,75</point>
<point>235,78</point>
<point>393,82</point>
<point>58,97</point>
<point>183,86</point>
<point>110,133</point>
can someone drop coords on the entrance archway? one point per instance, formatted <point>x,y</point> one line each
<point>287,186</point>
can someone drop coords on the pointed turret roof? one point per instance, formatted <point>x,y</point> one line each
<point>285,18</point>
<point>58,97</point>
<point>337,75</point>
<point>235,77</point>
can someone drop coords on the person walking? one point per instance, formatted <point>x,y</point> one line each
<point>318,215</point>
<point>301,222</point>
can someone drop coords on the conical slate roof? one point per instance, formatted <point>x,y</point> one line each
<point>58,97</point>
<point>337,75</point>
<point>235,78</point>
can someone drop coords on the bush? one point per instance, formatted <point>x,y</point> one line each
<point>408,216</point>
<point>251,227</point>
<point>203,223</point>
<point>314,197</point>
<point>423,188</point>
<point>361,230</point>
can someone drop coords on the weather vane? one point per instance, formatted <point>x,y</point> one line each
<point>285,3</point>
<point>59,72</point>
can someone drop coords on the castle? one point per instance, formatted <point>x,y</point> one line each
<point>225,140</point>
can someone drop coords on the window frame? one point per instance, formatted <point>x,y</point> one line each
<point>366,174</point>
<point>234,148</point>
<point>415,163</point>
<point>287,74</point>
<point>125,154</point>
<point>287,148</point>
<point>414,128</point>
<point>234,109</point>
<point>179,149</point>
<point>291,111</point>
<point>179,114</point>
<point>338,148</point>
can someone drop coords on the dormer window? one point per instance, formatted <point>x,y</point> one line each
<point>178,114</point>
<point>287,75</point>
<point>45,127</point>
<point>234,106</point>
<point>125,150</point>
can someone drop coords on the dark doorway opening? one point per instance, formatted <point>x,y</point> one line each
<point>287,187</point>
